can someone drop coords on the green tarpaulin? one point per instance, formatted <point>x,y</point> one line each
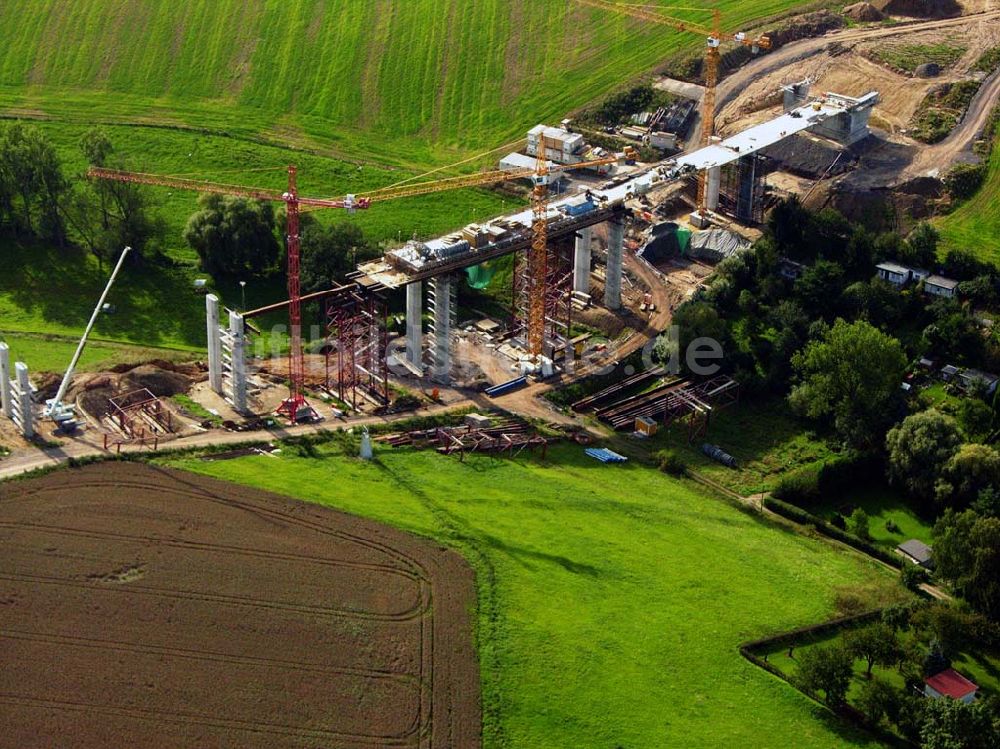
<point>479,276</point>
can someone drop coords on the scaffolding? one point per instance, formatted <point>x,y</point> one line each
<point>356,364</point>
<point>742,193</point>
<point>557,277</point>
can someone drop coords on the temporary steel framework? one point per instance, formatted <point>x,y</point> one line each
<point>356,362</point>
<point>545,289</point>
<point>674,401</point>
<point>140,414</point>
<point>483,441</point>
<point>743,190</point>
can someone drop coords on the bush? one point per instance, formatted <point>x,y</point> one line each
<point>964,180</point>
<point>406,401</point>
<point>858,524</point>
<point>912,576</point>
<point>890,525</point>
<point>800,487</point>
<point>670,462</point>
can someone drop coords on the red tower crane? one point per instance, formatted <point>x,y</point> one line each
<point>296,402</point>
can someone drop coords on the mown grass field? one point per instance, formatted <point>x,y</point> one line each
<point>975,225</point>
<point>883,505</point>
<point>611,599</point>
<point>358,94</point>
<point>400,82</point>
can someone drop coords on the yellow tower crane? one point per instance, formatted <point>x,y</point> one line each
<point>714,35</point>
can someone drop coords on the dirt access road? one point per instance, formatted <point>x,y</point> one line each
<point>930,158</point>
<point>141,606</point>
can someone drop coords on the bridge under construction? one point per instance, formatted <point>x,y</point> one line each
<point>355,324</point>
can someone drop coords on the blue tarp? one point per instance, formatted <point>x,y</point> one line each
<point>606,456</point>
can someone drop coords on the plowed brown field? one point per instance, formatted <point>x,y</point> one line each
<point>146,607</point>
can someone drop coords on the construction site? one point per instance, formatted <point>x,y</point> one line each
<point>608,245</point>
<point>466,481</point>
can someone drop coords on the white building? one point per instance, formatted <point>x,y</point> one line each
<point>897,275</point>
<point>560,146</point>
<point>950,683</point>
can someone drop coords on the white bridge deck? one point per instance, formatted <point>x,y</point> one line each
<point>384,273</point>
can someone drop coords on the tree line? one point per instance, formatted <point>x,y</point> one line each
<point>238,238</point>
<point>40,201</point>
<point>804,316</point>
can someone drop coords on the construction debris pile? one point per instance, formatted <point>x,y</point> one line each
<point>494,435</point>
<point>672,400</point>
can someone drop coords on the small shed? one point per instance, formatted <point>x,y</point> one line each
<point>949,372</point>
<point>916,551</point>
<point>897,275</point>
<point>950,683</point>
<point>645,426</point>
<point>973,379</point>
<point>941,286</point>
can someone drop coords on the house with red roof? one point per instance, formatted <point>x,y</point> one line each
<point>950,683</point>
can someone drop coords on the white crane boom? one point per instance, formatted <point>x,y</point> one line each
<point>55,407</point>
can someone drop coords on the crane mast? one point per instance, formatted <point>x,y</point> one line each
<point>714,38</point>
<point>55,408</point>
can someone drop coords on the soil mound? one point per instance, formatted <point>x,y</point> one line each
<point>919,8</point>
<point>864,12</point>
<point>160,382</point>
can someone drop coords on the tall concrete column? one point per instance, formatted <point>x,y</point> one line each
<point>441,297</point>
<point>5,379</point>
<point>616,248</point>
<point>581,262</point>
<point>713,183</point>
<point>24,393</point>
<point>214,343</point>
<point>237,336</point>
<point>414,323</point>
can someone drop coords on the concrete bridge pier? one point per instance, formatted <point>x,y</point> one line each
<point>581,261</point>
<point>5,380</point>
<point>441,299</point>
<point>414,323</point>
<point>713,184</point>
<point>214,343</point>
<point>236,340</point>
<point>616,249</point>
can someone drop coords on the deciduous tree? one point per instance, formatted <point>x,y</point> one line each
<point>852,375</point>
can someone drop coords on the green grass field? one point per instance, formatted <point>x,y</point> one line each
<point>882,505</point>
<point>612,599</point>
<point>975,225</point>
<point>908,57</point>
<point>404,82</point>
<point>763,435</point>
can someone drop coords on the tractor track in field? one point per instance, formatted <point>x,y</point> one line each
<point>200,720</point>
<point>246,601</point>
<point>199,655</point>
